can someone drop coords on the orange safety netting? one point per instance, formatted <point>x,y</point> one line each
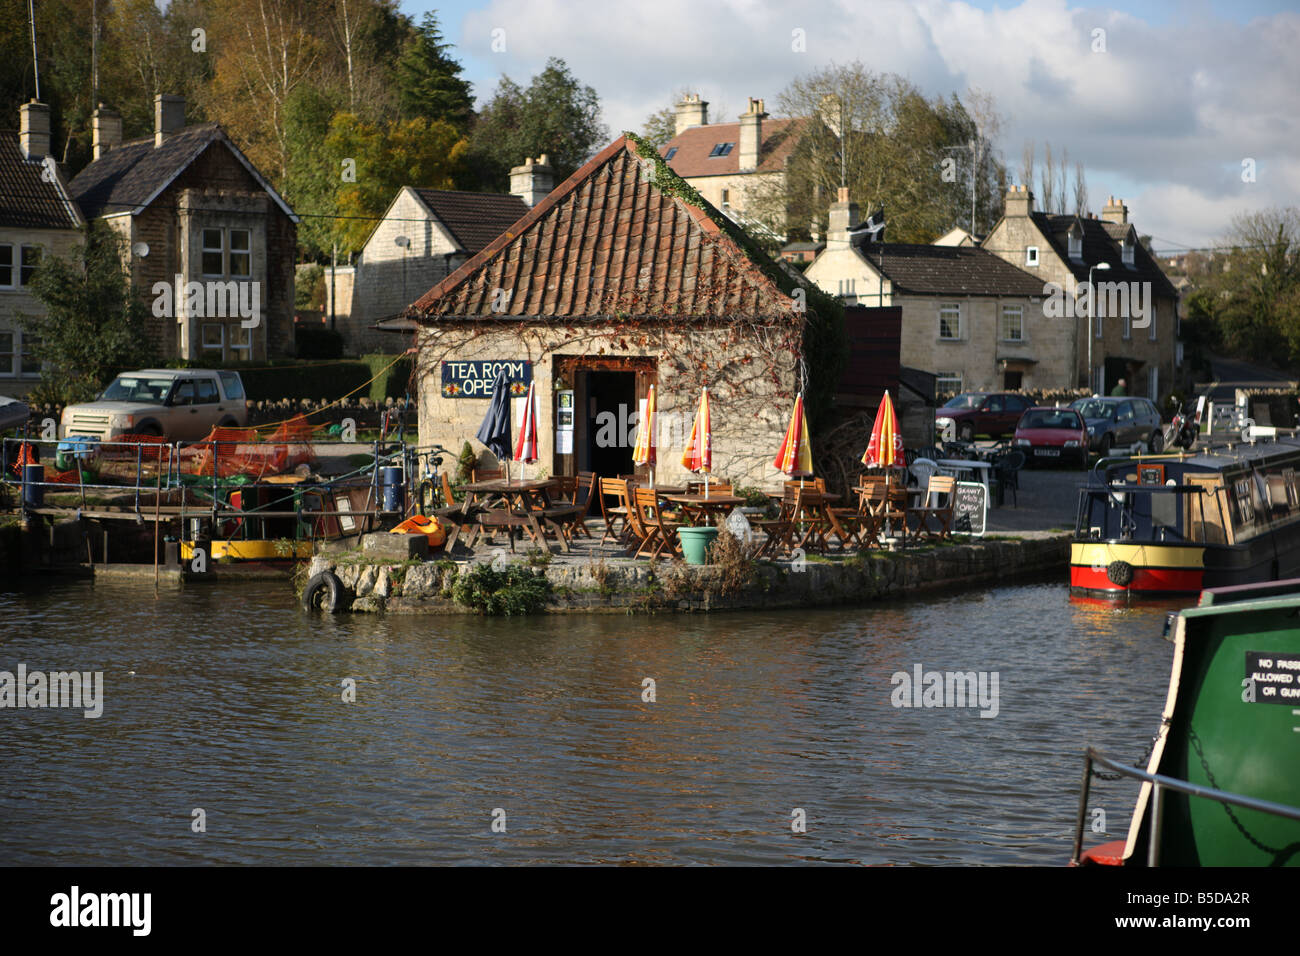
<point>239,451</point>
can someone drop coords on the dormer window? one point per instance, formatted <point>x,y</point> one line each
<point>1031,256</point>
<point>672,151</point>
<point>721,149</point>
<point>1075,242</point>
<point>1127,251</point>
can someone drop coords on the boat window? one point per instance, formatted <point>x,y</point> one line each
<point>1164,510</point>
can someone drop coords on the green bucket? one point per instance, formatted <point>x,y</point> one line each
<point>695,543</point>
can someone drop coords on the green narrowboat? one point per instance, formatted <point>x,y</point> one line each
<point>1222,786</point>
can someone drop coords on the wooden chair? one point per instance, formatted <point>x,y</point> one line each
<point>782,529</point>
<point>944,485</point>
<point>616,514</point>
<point>696,487</point>
<point>854,527</point>
<point>661,532</point>
<point>453,513</point>
<point>487,474</point>
<point>566,513</point>
<point>885,501</point>
<point>584,494</point>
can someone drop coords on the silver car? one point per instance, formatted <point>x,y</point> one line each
<point>178,404</point>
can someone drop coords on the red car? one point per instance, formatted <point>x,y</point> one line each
<point>1052,434</point>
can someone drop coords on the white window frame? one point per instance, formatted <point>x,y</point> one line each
<point>232,253</point>
<point>1151,328</point>
<point>1031,256</point>
<point>945,307</point>
<point>219,348</point>
<point>205,249</point>
<point>1009,310</point>
<point>15,267</point>
<point>10,370</point>
<point>1074,245</point>
<point>1126,254</point>
<point>941,377</point>
<point>240,342</point>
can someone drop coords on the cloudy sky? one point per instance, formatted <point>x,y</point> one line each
<point>1164,117</point>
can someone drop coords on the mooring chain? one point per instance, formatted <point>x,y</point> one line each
<point>1281,855</point>
<point>1141,761</point>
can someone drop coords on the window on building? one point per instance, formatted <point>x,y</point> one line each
<point>1151,329</point>
<point>721,149</point>
<point>31,258</point>
<point>1031,256</point>
<point>726,198</point>
<point>241,343</point>
<point>6,266</point>
<point>947,382</point>
<point>848,287</point>
<point>1154,394</point>
<point>1128,324</point>
<point>214,339</point>
<point>950,321</point>
<point>29,363</point>
<point>241,255</point>
<point>1127,252</point>
<point>1075,242</point>
<point>672,151</point>
<point>8,340</point>
<point>213,253</point>
<point>1013,323</point>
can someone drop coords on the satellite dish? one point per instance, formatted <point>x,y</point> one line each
<point>141,249</point>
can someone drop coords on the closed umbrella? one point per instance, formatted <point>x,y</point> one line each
<point>526,444</point>
<point>698,456</point>
<point>795,455</point>
<point>495,430</point>
<point>885,448</point>
<point>645,451</point>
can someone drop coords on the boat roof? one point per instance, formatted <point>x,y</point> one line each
<point>1222,457</point>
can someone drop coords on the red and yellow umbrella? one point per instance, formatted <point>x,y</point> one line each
<point>795,456</point>
<point>646,450</point>
<point>698,455</point>
<point>886,445</point>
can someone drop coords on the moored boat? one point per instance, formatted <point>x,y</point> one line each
<point>1177,524</point>
<point>1220,787</point>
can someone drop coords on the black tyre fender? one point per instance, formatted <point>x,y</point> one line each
<point>324,592</point>
<point>1120,572</point>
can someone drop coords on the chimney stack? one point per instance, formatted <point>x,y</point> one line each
<point>34,130</point>
<point>105,130</point>
<point>168,116</point>
<point>1019,202</point>
<point>532,181</point>
<point>843,217</point>
<point>751,135</point>
<point>1115,211</point>
<point>691,111</point>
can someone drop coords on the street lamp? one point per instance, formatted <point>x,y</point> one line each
<point>1092,318</point>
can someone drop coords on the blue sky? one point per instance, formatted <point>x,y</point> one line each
<point>1164,118</point>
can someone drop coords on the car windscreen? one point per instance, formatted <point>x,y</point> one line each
<point>964,401</point>
<point>1051,418</point>
<point>135,388</point>
<point>1095,409</point>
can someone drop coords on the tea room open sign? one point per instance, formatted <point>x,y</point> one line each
<point>474,379</point>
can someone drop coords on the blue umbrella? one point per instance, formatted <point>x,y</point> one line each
<point>495,430</point>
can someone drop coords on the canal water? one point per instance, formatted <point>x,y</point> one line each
<point>229,700</point>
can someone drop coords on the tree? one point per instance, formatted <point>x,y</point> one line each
<point>387,156</point>
<point>428,79</point>
<point>555,115</point>
<point>95,321</point>
<point>661,126</point>
<point>314,175</point>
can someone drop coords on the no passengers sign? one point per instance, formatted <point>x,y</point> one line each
<point>474,379</point>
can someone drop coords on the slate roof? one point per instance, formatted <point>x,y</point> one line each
<point>1101,243</point>
<point>26,200</point>
<point>780,136</point>
<point>949,270</point>
<point>128,178</point>
<point>473,219</point>
<point>611,240</point>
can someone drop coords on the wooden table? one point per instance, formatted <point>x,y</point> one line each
<point>699,507</point>
<point>524,501</point>
<point>979,470</point>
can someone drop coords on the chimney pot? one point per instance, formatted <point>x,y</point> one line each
<point>168,116</point>
<point>34,130</point>
<point>105,130</point>
<point>691,111</point>
<point>751,136</point>
<point>1019,201</point>
<point>532,181</point>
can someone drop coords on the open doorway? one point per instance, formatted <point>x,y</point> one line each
<point>611,412</point>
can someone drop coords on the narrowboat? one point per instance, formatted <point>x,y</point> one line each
<point>1178,524</point>
<point>1220,787</point>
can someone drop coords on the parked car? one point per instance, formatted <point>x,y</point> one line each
<point>13,413</point>
<point>1119,422</point>
<point>1053,434</point>
<point>179,404</point>
<point>982,413</point>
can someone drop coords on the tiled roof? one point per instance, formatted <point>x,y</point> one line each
<point>128,178</point>
<point>1101,243</point>
<point>610,240</point>
<point>474,219</point>
<point>949,270</point>
<point>780,136</point>
<point>26,200</point>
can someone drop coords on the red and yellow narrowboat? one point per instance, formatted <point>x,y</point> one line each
<point>1177,524</point>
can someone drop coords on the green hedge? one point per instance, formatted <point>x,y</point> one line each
<point>271,381</point>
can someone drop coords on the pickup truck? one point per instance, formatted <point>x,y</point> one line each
<point>180,404</point>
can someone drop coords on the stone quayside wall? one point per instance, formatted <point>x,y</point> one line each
<point>639,587</point>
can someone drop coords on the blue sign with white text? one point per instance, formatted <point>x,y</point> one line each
<point>474,379</point>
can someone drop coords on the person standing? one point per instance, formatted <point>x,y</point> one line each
<point>1120,389</point>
